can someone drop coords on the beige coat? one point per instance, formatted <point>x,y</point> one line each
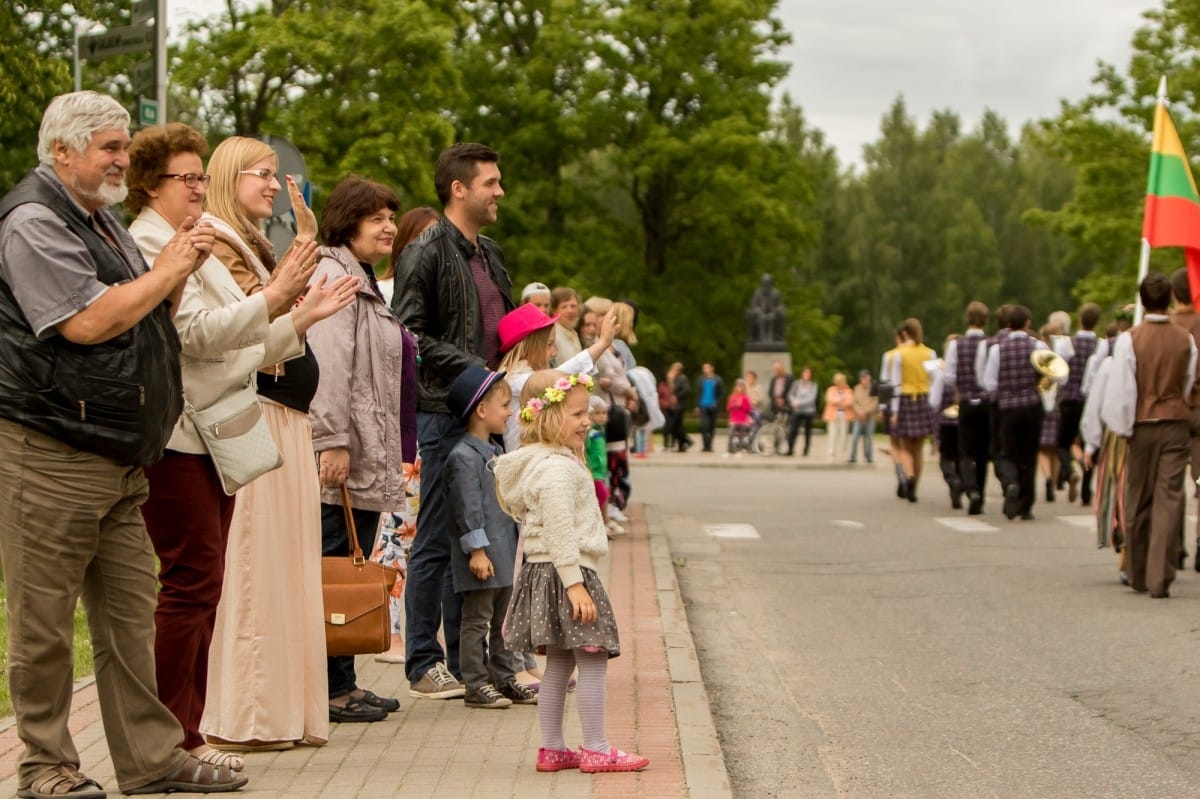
<point>225,335</point>
<point>360,350</point>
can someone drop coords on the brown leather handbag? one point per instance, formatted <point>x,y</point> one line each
<point>355,591</point>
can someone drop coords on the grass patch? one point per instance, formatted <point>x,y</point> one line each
<point>82,649</point>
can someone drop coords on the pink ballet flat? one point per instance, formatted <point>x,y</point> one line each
<point>558,759</point>
<point>612,760</point>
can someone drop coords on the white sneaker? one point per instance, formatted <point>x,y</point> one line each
<point>614,527</point>
<point>616,515</point>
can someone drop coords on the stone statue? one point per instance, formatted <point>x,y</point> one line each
<point>766,318</point>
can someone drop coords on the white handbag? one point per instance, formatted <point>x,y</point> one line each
<point>237,437</point>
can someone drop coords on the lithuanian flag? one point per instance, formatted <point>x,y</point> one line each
<point>1172,215</point>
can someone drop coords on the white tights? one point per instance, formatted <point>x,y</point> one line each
<point>589,697</point>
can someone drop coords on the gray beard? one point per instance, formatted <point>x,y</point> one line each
<point>106,194</point>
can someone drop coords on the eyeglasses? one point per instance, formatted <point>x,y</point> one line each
<point>265,174</point>
<point>191,179</point>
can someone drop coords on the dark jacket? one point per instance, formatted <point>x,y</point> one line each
<point>476,519</point>
<point>119,399</point>
<point>435,298</point>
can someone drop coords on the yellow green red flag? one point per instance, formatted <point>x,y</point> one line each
<point>1172,213</point>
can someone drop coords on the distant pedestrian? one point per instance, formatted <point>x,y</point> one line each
<point>681,387</point>
<point>839,403</point>
<point>560,608</point>
<point>866,410</point>
<point>740,408</point>
<point>711,395</point>
<point>802,402</point>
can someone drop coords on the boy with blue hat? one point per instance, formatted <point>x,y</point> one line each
<point>483,540</point>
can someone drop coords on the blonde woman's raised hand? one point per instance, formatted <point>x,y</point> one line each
<point>324,299</point>
<point>291,276</point>
<point>306,220</point>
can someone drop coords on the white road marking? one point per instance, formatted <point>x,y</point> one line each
<point>1087,520</point>
<point>961,524</point>
<point>745,532</point>
<point>849,524</point>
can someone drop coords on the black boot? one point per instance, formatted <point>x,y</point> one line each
<point>1049,490</point>
<point>910,489</point>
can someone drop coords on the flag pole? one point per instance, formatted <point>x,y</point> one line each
<point>1144,258</point>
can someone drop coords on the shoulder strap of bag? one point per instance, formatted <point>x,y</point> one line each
<point>356,553</point>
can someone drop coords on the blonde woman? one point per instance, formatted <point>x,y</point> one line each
<point>266,677</point>
<point>839,406</point>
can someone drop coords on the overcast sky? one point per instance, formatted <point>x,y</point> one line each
<point>851,58</point>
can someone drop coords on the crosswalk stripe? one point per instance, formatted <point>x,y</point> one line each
<point>961,524</point>
<point>743,531</point>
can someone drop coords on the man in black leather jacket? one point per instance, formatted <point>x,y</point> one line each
<point>451,290</point>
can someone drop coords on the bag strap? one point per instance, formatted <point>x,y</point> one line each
<point>356,553</point>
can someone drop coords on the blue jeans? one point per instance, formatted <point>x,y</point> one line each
<point>429,598</point>
<point>865,431</point>
<point>708,424</point>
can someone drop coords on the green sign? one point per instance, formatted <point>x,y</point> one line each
<point>147,112</point>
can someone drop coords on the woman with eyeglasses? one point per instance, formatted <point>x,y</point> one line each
<point>226,337</point>
<point>266,677</point>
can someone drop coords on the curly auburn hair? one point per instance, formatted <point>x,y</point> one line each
<point>150,151</point>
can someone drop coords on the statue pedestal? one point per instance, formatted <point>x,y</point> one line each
<point>762,363</point>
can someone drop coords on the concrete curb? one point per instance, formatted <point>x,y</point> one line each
<point>703,762</point>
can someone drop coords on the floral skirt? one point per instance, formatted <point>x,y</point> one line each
<point>540,618</point>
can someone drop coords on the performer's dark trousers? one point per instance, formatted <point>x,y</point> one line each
<point>994,442</point>
<point>1154,501</point>
<point>1070,412</point>
<point>974,444</point>
<point>1020,431</point>
<point>948,455</point>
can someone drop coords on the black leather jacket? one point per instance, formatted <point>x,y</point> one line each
<point>119,399</point>
<point>435,298</point>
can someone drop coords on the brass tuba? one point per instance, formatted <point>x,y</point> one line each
<point>1053,369</point>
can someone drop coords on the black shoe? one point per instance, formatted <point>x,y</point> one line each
<point>956,495</point>
<point>1164,594</point>
<point>517,693</point>
<point>1049,490</point>
<point>976,503</point>
<point>388,703</point>
<point>355,710</point>
<point>1012,501</point>
<point>1027,516</point>
<point>901,488</point>
<point>1196,563</point>
<point>910,489</point>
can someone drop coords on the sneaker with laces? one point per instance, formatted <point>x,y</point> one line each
<point>558,759</point>
<point>617,515</point>
<point>437,683</point>
<point>612,760</point>
<point>519,694</point>
<point>486,696</point>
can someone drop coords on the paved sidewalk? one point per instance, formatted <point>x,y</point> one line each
<point>657,706</point>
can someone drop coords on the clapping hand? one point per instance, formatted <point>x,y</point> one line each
<point>306,220</point>
<point>323,299</point>
<point>188,248</point>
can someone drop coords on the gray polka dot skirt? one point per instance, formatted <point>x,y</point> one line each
<point>540,614</point>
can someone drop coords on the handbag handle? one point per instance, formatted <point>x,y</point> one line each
<point>356,553</point>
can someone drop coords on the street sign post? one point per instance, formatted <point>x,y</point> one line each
<point>144,11</point>
<point>95,47</point>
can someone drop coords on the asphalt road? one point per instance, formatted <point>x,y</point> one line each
<point>862,648</point>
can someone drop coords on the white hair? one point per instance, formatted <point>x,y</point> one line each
<point>74,118</point>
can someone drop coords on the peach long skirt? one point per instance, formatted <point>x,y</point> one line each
<point>267,679</point>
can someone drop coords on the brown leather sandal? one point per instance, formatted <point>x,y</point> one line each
<point>195,776</point>
<point>62,780</point>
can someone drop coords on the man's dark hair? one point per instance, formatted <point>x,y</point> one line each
<point>1018,317</point>
<point>459,162</point>
<point>1181,286</point>
<point>1089,316</point>
<point>977,314</point>
<point>350,202</point>
<point>1155,292</point>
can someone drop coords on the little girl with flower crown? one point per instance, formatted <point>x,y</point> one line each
<point>559,606</point>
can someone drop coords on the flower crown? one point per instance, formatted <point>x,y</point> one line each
<point>554,394</point>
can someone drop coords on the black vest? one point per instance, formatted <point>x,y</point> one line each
<point>119,399</point>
